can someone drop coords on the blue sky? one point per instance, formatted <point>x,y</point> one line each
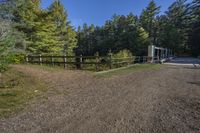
<point>98,11</point>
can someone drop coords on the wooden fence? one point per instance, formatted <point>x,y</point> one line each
<point>97,62</point>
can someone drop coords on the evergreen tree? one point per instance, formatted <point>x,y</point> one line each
<point>173,29</point>
<point>7,9</point>
<point>45,38</point>
<point>169,35</point>
<point>194,34</point>
<point>148,20</point>
<point>65,32</point>
<point>25,15</point>
<point>142,42</point>
<point>119,33</point>
<point>71,43</point>
<point>6,38</point>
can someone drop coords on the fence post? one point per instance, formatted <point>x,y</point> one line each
<point>65,61</point>
<point>110,59</point>
<point>97,61</point>
<point>52,60</point>
<point>139,60</point>
<point>40,59</point>
<point>133,60</point>
<point>143,59</point>
<point>27,59</point>
<point>81,61</point>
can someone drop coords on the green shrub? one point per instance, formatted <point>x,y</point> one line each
<point>122,58</point>
<point>3,65</point>
<point>123,54</point>
<point>16,58</point>
<point>11,58</point>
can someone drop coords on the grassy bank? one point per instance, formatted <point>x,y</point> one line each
<point>16,89</point>
<point>128,70</point>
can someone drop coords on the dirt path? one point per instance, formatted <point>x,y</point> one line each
<point>166,100</point>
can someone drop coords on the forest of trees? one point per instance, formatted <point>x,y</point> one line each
<point>27,28</point>
<point>177,29</point>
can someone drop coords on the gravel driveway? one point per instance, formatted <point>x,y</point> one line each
<point>165,100</point>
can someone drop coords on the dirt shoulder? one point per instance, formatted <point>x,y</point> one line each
<point>162,100</point>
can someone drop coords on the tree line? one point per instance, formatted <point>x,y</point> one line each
<point>178,29</point>
<point>27,28</point>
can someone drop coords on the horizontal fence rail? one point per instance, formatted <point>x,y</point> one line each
<point>95,62</point>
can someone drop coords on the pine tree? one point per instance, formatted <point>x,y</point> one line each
<point>194,37</point>
<point>7,17</point>
<point>65,32</point>
<point>71,42</point>
<point>45,38</point>
<point>175,28</point>
<point>6,38</point>
<point>148,20</point>
<point>142,42</point>
<point>25,15</point>
<point>169,35</point>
